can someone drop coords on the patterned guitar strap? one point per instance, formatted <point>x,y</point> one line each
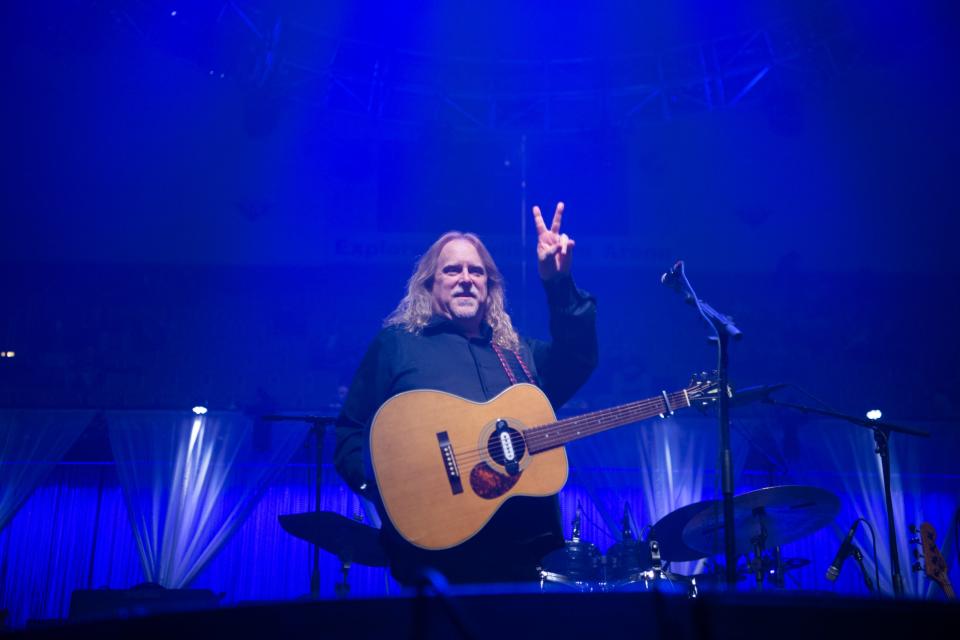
<point>510,368</point>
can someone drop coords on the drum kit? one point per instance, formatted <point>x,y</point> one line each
<point>764,520</point>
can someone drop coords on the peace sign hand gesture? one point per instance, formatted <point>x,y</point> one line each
<point>554,249</point>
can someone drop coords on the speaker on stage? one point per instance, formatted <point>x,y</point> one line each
<point>142,600</point>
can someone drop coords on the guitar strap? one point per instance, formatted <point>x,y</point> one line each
<point>509,367</point>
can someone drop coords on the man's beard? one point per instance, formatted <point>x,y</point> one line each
<point>465,311</point>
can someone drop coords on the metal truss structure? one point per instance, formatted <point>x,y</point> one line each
<point>279,60</point>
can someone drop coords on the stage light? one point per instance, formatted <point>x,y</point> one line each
<point>7,354</point>
<point>199,410</point>
<point>173,14</point>
<point>874,414</point>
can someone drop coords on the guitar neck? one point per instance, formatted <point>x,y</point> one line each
<point>557,434</point>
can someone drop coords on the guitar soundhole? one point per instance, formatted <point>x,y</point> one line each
<point>496,450</point>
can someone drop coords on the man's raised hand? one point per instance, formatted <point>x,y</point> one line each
<point>554,249</point>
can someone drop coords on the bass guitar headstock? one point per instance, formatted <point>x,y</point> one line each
<point>934,565</point>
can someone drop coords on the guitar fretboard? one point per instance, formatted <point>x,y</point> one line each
<point>559,433</point>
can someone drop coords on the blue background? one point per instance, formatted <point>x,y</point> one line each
<point>220,206</point>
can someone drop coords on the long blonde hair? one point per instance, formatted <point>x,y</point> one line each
<point>416,308</point>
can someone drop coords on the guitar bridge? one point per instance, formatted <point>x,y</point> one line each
<point>450,463</point>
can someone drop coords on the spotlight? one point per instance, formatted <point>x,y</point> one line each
<point>199,410</point>
<point>874,414</point>
<point>173,14</point>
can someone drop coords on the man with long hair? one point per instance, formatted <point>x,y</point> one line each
<point>451,332</point>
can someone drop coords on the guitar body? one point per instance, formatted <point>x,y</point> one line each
<point>444,465</point>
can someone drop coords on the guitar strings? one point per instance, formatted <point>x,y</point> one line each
<point>586,424</point>
<point>583,425</point>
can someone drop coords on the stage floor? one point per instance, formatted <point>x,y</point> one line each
<point>495,611</point>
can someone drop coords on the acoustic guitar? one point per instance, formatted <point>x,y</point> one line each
<point>444,465</point>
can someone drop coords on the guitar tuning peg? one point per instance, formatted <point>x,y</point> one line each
<point>916,567</point>
<point>916,554</point>
<point>913,529</point>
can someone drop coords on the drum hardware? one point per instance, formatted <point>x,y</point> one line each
<point>629,565</point>
<point>318,428</point>
<point>771,567</point>
<point>767,517</point>
<point>346,538</point>
<point>656,564</point>
<point>578,565</point>
<point>759,545</point>
<point>764,520</point>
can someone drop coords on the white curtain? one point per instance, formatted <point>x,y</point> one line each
<point>190,481</point>
<point>31,443</point>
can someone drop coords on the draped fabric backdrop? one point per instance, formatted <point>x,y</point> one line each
<point>190,481</point>
<point>75,530</point>
<point>31,443</point>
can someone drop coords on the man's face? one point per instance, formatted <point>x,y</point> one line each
<point>460,284</point>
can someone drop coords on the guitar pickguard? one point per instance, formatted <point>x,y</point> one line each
<point>488,483</point>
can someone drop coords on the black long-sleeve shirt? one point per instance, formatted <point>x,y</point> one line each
<point>442,358</point>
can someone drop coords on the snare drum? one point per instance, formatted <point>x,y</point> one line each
<point>578,566</point>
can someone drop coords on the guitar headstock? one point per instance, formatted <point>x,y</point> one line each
<point>704,389</point>
<point>934,564</point>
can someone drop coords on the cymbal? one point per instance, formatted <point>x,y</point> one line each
<point>783,514</point>
<point>668,531</point>
<point>345,538</point>
<point>773,516</point>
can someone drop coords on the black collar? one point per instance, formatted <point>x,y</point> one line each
<point>441,324</point>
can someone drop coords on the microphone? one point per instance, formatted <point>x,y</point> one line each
<point>627,529</point>
<point>673,277</point>
<point>833,571</point>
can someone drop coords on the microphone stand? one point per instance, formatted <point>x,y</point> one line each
<point>724,329</point>
<point>858,556</point>
<point>881,435</point>
<point>318,429</point>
